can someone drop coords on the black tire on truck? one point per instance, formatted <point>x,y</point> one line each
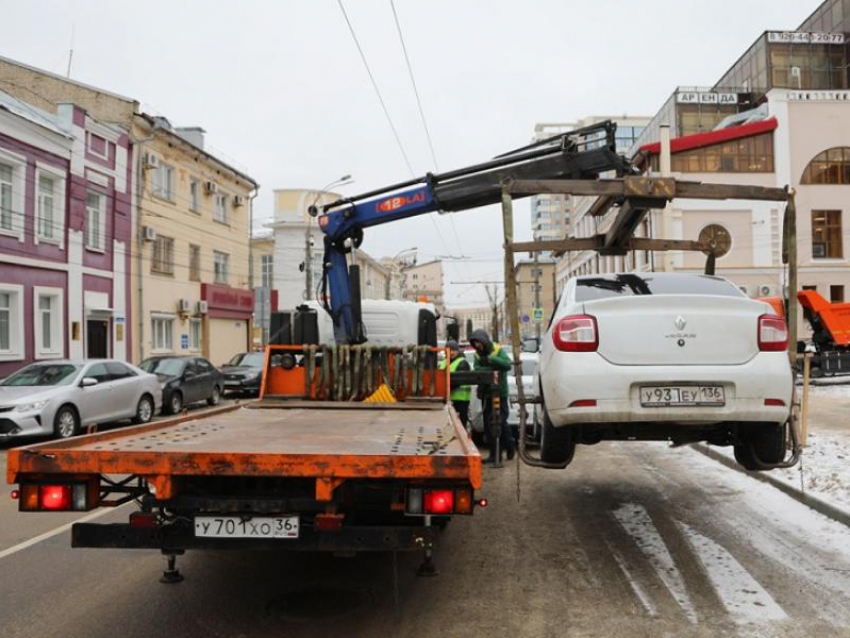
<point>557,445</point>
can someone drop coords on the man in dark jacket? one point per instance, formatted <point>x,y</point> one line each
<point>491,356</point>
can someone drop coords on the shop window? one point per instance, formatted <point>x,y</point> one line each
<point>95,220</point>
<point>11,322</point>
<point>826,234</point>
<point>47,319</point>
<point>162,261</point>
<point>162,338</point>
<point>829,167</point>
<point>748,155</point>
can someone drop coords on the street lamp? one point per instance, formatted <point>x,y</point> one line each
<point>313,211</point>
<point>392,264</point>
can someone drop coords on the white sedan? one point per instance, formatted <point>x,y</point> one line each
<point>665,356</point>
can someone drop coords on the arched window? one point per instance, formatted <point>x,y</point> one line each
<point>830,167</point>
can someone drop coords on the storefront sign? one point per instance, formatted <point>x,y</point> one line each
<point>706,97</point>
<point>224,301</point>
<point>818,96</point>
<point>804,37</point>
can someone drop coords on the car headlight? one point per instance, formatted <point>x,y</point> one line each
<point>29,407</point>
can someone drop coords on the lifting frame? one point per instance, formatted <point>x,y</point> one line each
<point>636,197</point>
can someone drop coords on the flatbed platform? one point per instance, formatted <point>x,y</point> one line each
<point>322,441</point>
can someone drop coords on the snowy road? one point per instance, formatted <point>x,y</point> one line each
<point>632,540</point>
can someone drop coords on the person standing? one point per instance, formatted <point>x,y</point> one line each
<point>491,356</point>
<point>460,396</point>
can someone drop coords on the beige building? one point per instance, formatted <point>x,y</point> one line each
<point>424,282</point>
<point>535,289</point>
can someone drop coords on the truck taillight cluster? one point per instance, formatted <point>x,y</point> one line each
<point>66,497</point>
<point>772,334</point>
<point>576,333</point>
<point>441,502</point>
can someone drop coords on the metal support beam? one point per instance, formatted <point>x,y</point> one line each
<point>597,243</point>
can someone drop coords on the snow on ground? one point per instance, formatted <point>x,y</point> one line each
<point>828,388</point>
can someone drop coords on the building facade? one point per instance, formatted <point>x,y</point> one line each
<point>471,318</point>
<point>535,289</point>
<point>65,228</point>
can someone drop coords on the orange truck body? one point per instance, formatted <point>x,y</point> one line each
<point>833,318</point>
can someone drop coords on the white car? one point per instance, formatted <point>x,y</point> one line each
<point>665,356</point>
<point>60,397</point>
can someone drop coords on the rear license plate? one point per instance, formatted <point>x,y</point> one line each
<point>662,396</point>
<point>242,527</point>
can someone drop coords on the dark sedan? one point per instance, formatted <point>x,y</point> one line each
<point>185,380</point>
<point>243,372</point>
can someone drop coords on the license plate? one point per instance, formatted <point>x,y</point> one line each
<point>245,527</point>
<point>655,396</point>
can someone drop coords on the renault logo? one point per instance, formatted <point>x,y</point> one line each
<point>680,323</point>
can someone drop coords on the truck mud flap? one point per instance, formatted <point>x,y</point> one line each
<point>351,539</point>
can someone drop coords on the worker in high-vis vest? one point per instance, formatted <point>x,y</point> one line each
<point>460,396</point>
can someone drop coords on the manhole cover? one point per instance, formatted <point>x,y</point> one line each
<point>319,603</point>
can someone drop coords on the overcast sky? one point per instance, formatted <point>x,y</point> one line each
<point>282,92</point>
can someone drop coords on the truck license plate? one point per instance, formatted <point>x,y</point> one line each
<point>245,527</point>
<point>662,396</point>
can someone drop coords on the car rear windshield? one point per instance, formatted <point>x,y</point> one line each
<point>43,374</point>
<point>171,367</point>
<point>248,359</point>
<point>591,288</point>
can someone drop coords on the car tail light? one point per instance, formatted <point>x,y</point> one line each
<point>583,403</point>
<point>773,334</point>
<point>775,402</point>
<point>53,497</point>
<point>576,333</point>
<point>143,520</point>
<point>440,502</point>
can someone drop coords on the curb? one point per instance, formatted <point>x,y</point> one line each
<point>819,505</point>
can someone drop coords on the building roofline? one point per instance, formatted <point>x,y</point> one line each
<point>56,76</point>
<point>35,117</point>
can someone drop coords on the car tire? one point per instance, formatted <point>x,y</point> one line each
<point>144,409</point>
<point>215,398</point>
<point>744,457</point>
<point>767,443</point>
<point>556,444</point>
<point>66,423</point>
<point>175,403</point>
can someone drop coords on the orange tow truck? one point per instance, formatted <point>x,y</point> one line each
<point>349,448</point>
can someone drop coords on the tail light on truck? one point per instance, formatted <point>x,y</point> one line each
<point>441,502</point>
<point>576,333</point>
<point>34,497</point>
<point>772,334</point>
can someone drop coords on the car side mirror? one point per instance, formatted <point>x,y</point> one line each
<point>189,374</point>
<point>88,382</point>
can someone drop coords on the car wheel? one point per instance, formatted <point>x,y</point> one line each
<point>66,423</point>
<point>144,409</point>
<point>744,457</point>
<point>556,444</point>
<point>175,403</point>
<point>216,396</point>
<point>768,443</point>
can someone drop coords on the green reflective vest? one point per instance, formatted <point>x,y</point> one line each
<point>464,392</point>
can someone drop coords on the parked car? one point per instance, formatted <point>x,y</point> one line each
<point>61,397</point>
<point>243,372</point>
<point>665,356</point>
<point>185,380</point>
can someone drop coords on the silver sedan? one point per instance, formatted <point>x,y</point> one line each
<point>60,397</point>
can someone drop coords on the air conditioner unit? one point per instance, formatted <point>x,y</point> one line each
<point>183,305</point>
<point>151,160</point>
<point>149,234</point>
<point>210,187</point>
<point>238,200</point>
<point>203,307</point>
<point>766,290</point>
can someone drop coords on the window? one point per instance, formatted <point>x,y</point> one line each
<point>220,208</point>
<point>267,271</point>
<point>118,371</point>
<point>719,235</point>
<point>195,334</point>
<point>161,333</point>
<point>195,196</point>
<point>194,262</point>
<point>98,371</point>
<point>830,167</point>
<point>826,234</point>
<point>749,155</point>
<point>95,220</point>
<point>627,285</point>
<point>163,255</point>
<point>222,267</point>
<point>836,293</point>
<point>7,220</point>
<point>46,207</point>
<point>163,181</point>
<point>47,319</point>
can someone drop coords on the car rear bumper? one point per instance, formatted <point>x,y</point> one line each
<point>616,390</point>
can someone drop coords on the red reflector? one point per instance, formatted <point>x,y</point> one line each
<point>143,519</point>
<point>15,495</point>
<point>54,497</point>
<point>483,502</point>
<point>328,522</point>
<point>583,403</point>
<point>778,402</point>
<point>439,501</point>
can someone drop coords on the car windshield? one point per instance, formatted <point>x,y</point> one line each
<point>43,374</point>
<point>171,367</point>
<point>248,359</point>
<point>604,287</point>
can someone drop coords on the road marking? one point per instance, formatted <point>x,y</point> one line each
<point>636,521</point>
<point>55,532</point>
<point>742,595</point>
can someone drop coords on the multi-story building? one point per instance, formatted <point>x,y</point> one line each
<point>471,318</point>
<point>424,282</point>
<point>65,231</point>
<point>779,116</point>
<point>535,289</point>
<point>262,278</point>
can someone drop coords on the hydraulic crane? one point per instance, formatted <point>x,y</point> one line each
<point>580,154</point>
